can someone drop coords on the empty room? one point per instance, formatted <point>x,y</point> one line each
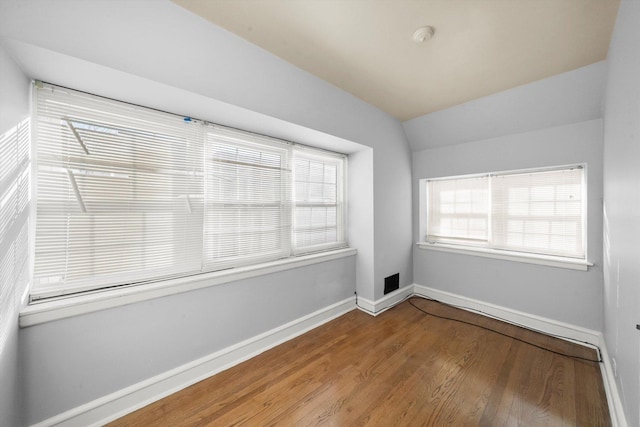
<point>319,212</point>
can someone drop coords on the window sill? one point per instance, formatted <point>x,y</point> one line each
<point>548,260</point>
<point>47,311</point>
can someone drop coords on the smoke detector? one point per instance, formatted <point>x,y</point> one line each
<point>423,34</point>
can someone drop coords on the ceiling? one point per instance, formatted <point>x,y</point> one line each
<point>366,47</point>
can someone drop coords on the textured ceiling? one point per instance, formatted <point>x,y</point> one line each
<point>365,47</point>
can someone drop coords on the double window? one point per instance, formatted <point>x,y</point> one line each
<point>538,211</point>
<point>127,195</point>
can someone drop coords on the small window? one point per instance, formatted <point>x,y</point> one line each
<point>533,211</point>
<point>319,201</point>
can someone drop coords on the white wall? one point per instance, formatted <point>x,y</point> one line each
<point>14,108</point>
<point>159,55</point>
<point>569,296</point>
<point>622,206</point>
<point>360,213</point>
<point>72,361</point>
<point>555,121</point>
<point>570,97</point>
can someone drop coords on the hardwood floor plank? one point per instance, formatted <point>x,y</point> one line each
<point>372,374</point>
<point>589,401</point>
<point>402,368</point>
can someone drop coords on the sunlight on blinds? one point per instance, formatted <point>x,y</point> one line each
<point>536,211</point>
<point>15,163</point>
<point>119,190</point>
<point>539,212</point>
<point>459,209</point>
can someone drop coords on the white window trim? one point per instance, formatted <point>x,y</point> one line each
<point>529,258</point>
<point>75,305</point>
<point>524,257</point>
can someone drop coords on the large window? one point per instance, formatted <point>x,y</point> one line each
<point>534,211</point>
<point>127,195</point>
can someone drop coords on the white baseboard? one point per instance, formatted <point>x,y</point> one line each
<point>115,405</point>
<point>618,419</point>
<point>376,307</point>
<point>545,325</point>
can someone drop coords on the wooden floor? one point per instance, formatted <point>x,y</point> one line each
<point>401,368</point>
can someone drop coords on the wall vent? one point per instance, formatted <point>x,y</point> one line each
<point>391,283</point>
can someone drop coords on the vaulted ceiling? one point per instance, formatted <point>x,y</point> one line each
<point>366,47</point>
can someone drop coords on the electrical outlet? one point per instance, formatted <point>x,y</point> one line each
<point>614,365</point>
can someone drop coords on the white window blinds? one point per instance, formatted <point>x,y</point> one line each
<point>537,211</point>
<point>248,203</point>
<point>119,193</point>
<point>319,201</point>
<point>127,195</point>
<point>459,209</point>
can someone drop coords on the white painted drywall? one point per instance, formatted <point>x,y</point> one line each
<point>14,108</point>
<point>14,93</point>
<point>622,206</point>
<point>571,97</point>
<point>102,352</point>
<point>569,296</point>
<point>360,214</point>
<point>159,55</point>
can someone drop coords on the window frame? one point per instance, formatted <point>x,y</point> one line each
<point>340,162</point>
<point>144,285</point>
<point>487,251</point>
<point>245,142</point>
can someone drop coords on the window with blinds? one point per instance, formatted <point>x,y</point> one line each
<point>459,210</point>
<point>319,201</point>
<point>129,195</point>
<point>119,193</point>
<point>533,211</point>
<point>248,203</point>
